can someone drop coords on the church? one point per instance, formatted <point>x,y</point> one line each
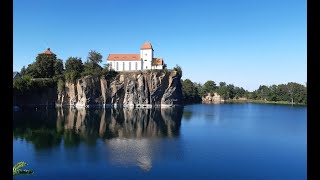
<point>136,62</point>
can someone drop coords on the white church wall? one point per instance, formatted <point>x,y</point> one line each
<point>157,67</point>
<point>125,65</point>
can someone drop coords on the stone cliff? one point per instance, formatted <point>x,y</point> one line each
<point>127,89</point>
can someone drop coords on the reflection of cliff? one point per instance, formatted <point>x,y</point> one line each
<point>133,137</point>
<point>137,123</point>
<point>42,126</point>
<point>123,123</point>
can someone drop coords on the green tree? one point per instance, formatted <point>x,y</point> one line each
<point>178,69</point>
<point>22,84</point>
<point>45,65</point>
<point>74,68</point>
<point>263,92</point>
<point>297,92</point>
<point>221,84</point>
<point>223,90</point>
<point>32,70</point>
<point>190,92</point>
<point>239,92</point>
<point>94,57</point>
<point>74,64</point>
<point>209,87</point>
<point>231,91</point>
<point>23,71</point>
<point>58,67</point>
<point>91,67</point>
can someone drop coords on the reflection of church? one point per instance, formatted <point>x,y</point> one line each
<point>131,152</point>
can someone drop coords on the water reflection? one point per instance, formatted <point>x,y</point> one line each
<point>131,136</point>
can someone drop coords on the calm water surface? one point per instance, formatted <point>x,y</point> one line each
<point>219,141</point>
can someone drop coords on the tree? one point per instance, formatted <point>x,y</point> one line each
<point>58,67</point>
<point>74,64</point>
<point>296,92</point>
<point>74,68</point>
<point>239,92</point>
<point>45,65</point>
<point>32,70</point>
<point>263,92</point>
<point>223,92</point>
<point>91,67</point>
<point>178,69</point>
<point>209,87</point>
<point>23,71</point>
<point>231,91</point>
<point>94,57</point>
<point>221,84</point>
<point>190,91</point>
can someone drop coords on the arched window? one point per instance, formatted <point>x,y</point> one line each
<point>117,66</point>
<point>129,66</point>
<point>136,65</point>
<point>123,66</point>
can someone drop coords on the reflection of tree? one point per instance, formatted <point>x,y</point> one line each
<point>187,115</point>
<point>37,127</point>
<point>70,138</point>
<point>41,138</point>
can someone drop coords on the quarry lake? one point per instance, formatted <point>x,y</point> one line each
<point>202,141</point>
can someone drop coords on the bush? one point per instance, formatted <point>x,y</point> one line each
<point>71,76</point>
<point>178,69</point>
<point>22,84</point>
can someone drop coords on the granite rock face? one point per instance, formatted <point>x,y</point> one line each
<point>127,89</point>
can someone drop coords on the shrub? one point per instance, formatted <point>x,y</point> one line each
<point>178,69</point>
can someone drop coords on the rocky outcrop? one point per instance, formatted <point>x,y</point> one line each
<point>215,98</point>
<point>128,89</point>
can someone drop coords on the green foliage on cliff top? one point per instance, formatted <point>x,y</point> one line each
<point>178,69</point>
<point>26,83</point>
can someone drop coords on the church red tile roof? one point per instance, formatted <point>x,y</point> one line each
<point>157,61</point>
<point>146,45</point>
<point>47,51</point>
<point>122,57</point>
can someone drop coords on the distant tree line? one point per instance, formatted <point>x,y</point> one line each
<point>193,92</point>
<point>290,93</point>
<point>48,69</point>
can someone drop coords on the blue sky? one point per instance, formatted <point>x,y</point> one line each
<point>244,42</point>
